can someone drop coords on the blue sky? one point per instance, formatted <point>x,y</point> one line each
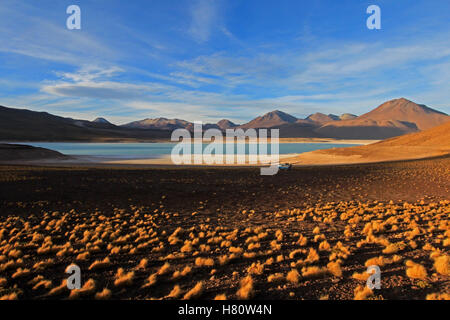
<point>207,60</point>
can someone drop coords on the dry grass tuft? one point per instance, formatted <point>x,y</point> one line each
<point>293,276</point>
<point>438,296</point>
<point>415,270</point>
<point>442,265</point>
<point>195,292</point>
<point>313,271</point>
<point>87,289</point>
<point>246,290</point>
<point>362,293</point>
<point>175,293</point>
<point>105,294</point>
<point>151,280</point>
<point>100,264</point>
<point>165,268</point>
<point>363,276</point>
<point>142,264</point>
<point>204,262</point>
<point>123,279</point>
<point>335,269</point>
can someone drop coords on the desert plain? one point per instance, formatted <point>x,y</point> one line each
<point>226,233</point>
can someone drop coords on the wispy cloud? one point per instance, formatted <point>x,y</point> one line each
<point>203,19</point>
<point>197,61</point>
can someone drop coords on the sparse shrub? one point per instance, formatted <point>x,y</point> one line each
<point>123,279</point>
<point>204,262</point>
<point>293,276</point>
<point>245,291</point>
<point>100,264</point>
<point>195,292</point>
<point>105,294</point>
<point>442,265</point>
<point>335,269</point>
<point>415,270</point>
<point>176,292</point>
<point>362,292</point>
<point>313,271</point>
<point>87,289</point>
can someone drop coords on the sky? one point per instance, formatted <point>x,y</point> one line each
<point>205,60</point>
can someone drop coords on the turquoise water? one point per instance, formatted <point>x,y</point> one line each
<point>155,150</point>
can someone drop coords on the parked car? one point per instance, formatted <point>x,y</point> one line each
<point>285,166</point>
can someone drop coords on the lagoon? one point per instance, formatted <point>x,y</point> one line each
<point>157,150</point>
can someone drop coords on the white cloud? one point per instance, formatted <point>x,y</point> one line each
<point>29,33</point>
<point>204,15</point>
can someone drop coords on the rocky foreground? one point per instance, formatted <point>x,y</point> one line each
<point>227,233</point>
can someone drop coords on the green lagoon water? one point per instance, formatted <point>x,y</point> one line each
<point>156,150</point>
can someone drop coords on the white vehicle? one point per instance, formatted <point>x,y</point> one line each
<point>285,166</point>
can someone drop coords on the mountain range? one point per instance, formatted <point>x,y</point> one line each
<point>392,118</point>
<point>431,142</point>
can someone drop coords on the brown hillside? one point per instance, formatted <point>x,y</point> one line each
<point>393,118</point>
<point>428,143</point>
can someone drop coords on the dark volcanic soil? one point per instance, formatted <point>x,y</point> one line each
<point>210,206</point>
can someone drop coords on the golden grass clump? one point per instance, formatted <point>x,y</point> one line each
<point>276,277</point>
<point>15,253</point>
<point>178,274</point>
<point>362,292</point>
<point>294,253</point>
<point>363,276</point>
<point>313,271</point>
<point>256,268</point>
<point>334,268</point>
<point>195,292</point>
<point>151,280</point>
<point>324,246</point>
<point>442,265</point>
<point>275,245</point>
<point>58,290</point>
<point>438,296</point>
<point>313,256</point>
<point>176,292</point>
<point>105,294</point>
<point>302,241</point>
<point>394,247</point>
<point>293,276</point>
<point>20,273</point>
<point>236,250</point>
<point>165,268</point>
<point>83,256</point>
<point>43,284</point>
<point>279,235</point>
<point>415,270</point>
<point>100,264</point>
<point>142,264</point>
<point>87,289</point>
<point>377,261</point>
<point>187,247</point>
<point>123,279</point>
<point>11,296</point>
<point>204,262</point>
<point>246,290</point>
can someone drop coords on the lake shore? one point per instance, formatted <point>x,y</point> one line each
<point>280,140</point>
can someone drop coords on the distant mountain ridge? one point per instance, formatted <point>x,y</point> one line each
<point>101,120</point>
<point>392,118</point>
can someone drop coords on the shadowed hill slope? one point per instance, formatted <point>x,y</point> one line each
<point>424,144</point>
